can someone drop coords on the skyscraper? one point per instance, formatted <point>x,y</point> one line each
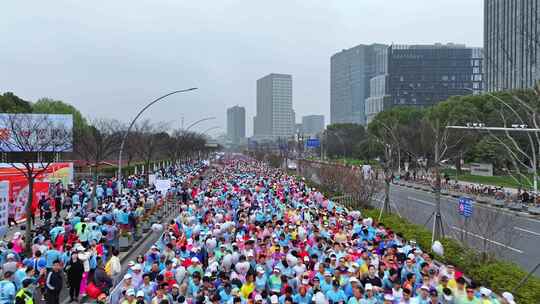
<point>350,74</point>
<point>511,46</point>
<point>236,124</point>
<point>312,124</point>
<point>423,75</point>
<point>274,118</point>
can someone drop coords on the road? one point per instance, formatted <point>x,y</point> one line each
<point>510,235</point>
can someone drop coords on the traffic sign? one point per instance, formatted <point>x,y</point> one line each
<point>313,143</point>
<point>465,206</point>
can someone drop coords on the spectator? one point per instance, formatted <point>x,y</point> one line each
<point>54,284</point>
<point>74,269</point>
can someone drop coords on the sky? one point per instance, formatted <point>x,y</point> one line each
<point>110,58</point>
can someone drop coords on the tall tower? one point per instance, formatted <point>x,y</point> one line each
<point>274,118</point>
<point>236,124</point>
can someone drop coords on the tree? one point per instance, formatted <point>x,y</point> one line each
<point>392,130</point>
<point>149,140</point>
<point>31,144</point>
<point>441,141</point>
<point>51,106</point>
<point>522,108</point>
<point>343,139</point>
<point>11,103</point>
<point>182,145</point>
<point>96,143</point>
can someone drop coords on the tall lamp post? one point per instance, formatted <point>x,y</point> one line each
<point>198,122</point>
<point>210,129</point>
<point>124,138</point>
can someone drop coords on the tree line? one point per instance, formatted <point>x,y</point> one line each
<point>421,137</point>
<point>97,140</point>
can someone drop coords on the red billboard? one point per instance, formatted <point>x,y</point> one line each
<point>18,185</point>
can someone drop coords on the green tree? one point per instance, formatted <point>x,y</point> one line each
<point>11,103</point>
<point>344,140</point>
<point>51,106</point>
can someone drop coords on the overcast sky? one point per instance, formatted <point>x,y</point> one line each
<point>110,58</point>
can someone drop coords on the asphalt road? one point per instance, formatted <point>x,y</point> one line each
<point>510,235</point>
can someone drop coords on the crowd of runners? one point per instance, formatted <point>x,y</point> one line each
<point>75,245</point>
<point>246,234</point>
<point>255,235</point>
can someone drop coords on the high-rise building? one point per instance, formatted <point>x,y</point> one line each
<point>511,45</point>
<point>350,74</point>
<point>236,124</point>
<point>274,118</point>
<point>423,75</point>
<point>312,124</point>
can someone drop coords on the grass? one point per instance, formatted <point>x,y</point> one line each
<point>356,162</point>
<point>499,180</point>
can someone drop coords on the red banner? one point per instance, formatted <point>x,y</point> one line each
<point>18,185</point>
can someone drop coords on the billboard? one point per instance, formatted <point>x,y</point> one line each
<point>18,185</point>
<point>36,132</point>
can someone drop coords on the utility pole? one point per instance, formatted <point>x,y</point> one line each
<point>438,229</point>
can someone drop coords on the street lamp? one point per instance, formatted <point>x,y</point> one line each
<point>124,138</point>
<point>198,121</point>
<point>210,129</point>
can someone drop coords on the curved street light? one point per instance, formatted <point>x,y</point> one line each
<point>124,138</point>
<point>199,121</point>
<point>210,129</point>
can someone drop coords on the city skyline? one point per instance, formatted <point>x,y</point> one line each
<point>127,57</point>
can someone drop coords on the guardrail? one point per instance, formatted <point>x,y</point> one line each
<point>507,203</point>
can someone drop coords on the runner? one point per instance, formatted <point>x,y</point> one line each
<point>257,235</point>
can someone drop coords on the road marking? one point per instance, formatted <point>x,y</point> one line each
<point>486,239</point>
<point>421,201</point>
<point>528,231</point>
<point>455,201</point>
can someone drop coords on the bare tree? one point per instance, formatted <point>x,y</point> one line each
<point>97,143</point>
<point>386,135</point>
<point>31,143</point>
<point>149,140</point>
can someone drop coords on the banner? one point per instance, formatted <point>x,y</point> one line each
<point>151,179</point>
<point>18,185</point>
<point>4,201</point>
<point>36,132</point>
<point>162,185</point>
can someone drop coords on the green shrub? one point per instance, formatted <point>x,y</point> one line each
<point>497,275</point>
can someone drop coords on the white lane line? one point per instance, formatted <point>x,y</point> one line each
<point>489,208</point>
<point>525,230</point>
<point>486,239</point>
<point>421,201</point>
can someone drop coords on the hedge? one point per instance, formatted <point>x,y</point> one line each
<point>497,275</point>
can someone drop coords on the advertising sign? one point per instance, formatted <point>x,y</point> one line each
<point>313,143</point>
<point>4,200</point>
<point>18,185</point>
<point>162,185</point>
<point>36,132</point>
<point>465,206</point>
<point>482,169</point>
